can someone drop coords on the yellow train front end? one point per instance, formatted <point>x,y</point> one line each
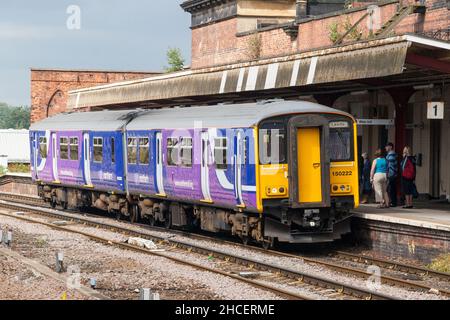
<point>307,176</point>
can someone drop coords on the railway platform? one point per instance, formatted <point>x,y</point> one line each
<point>419,234</point>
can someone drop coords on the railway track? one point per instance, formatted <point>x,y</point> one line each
<point>283,281</point>
<point>290,274</point>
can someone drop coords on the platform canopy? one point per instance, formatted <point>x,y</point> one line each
<point>399,61</point>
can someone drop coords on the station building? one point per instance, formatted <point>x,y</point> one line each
<point>385,62</point>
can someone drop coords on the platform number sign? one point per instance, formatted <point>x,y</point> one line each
<point>435,110</point>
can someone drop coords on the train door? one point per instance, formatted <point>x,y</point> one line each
<point>87,159</point>
<point>55,158</point>
<point>159,165</point>
<point>309,165</point>
<point>205,167</point>
<point>35,146</point>
<point>238,163</point>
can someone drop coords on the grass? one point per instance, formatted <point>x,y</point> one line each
<point>2,171</point>
<point>441,263</point>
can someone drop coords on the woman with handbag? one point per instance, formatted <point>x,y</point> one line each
<point>408,167</point>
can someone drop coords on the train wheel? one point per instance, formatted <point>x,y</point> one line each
<point>168,220</point>
<point>245,240</point>
<point>53,203</point>
<point>118,215</point>
<point>151,221</point>
<point>134,214</point>
<point>268,243</point>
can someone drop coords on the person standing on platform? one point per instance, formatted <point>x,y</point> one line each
<point>378,177</point>
<point>392,161</point>
<point>408,166</point>
<point>366,186</point>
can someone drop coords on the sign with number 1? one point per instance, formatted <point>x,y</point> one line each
<point>435,110</point>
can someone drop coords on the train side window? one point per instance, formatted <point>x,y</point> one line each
<point>186,152</point>
<point>132,150</point>
<point>272,144</point>
<point>172,151</point>
<point>113,151</point>
<point>43,147</point>
<point>220,153</point>
<point>245,151</point>
<point>64,148</point>
<point>144,151</point>
<point>98,150</point>
<point>74,148</point>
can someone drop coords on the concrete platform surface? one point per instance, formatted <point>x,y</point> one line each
<point>433,217</point>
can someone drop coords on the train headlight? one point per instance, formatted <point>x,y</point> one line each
<point>276,191</point>
<point>341,188</point>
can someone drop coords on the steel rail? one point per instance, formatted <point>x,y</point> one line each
<point>389,265</point>
<point>389,280</point>
<point>127,246</point>
<point>300,277</point>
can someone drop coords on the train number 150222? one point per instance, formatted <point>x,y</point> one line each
<point>342,173</point>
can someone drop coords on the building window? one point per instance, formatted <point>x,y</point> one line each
<point>43,147</point>
<point>132,150</point>
<point>220,153</point>
<point>64,148</point>
<point>172,151</point>
<point>74,148</point>
<point>98,150</point>
<point>186,152</point>
<point>144,151</point>
<point>113,151</point>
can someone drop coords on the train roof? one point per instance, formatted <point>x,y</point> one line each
<point>224,116</point>
<point>218,116</point>
<point>89,121</point>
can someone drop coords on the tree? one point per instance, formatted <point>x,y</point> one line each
<point>14,117</point>
<point>175,60</point>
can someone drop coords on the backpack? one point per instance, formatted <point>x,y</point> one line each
<point>409,170</point>
<point>392,165</point>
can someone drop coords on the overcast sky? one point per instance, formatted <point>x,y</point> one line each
<point>113,35</point>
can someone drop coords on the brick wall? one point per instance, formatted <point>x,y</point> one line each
<point>219,43</point>
<point>49,88</point>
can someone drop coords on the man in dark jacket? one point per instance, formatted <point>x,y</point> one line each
<point>392,161</point>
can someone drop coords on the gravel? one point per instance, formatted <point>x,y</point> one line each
<point>20,282</point>
<point>296,264</point>
<point>120,273</point>
<point>285,262</point>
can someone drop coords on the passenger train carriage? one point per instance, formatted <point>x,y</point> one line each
<point>280,170</point>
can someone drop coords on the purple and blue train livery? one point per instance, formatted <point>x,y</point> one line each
<point>227,168</point>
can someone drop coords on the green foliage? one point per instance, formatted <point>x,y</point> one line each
<point>19,167</point>
<point>355,33</point>
<point>334,32</point>
<point>14,117</point>
<point>2,171</point>
<point>441,263</point>
<point>255,46</point>
<point>175,60</point>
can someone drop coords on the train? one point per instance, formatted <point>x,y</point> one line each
<point>266,172</point>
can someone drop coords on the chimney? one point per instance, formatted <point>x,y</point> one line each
<point>302,9</point>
